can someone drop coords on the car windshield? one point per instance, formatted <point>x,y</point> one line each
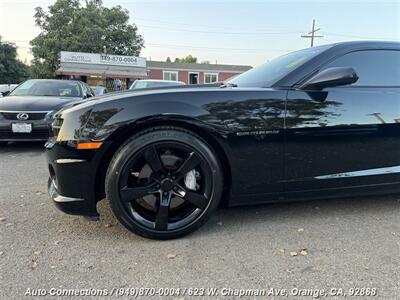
<point>57,88</point>
<point>141,84</point>
<point>270,72</point>
<point>98,90</point>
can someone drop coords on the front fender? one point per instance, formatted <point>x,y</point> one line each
<point>104,121</point>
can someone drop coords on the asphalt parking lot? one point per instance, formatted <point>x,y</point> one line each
<point>346,243</point>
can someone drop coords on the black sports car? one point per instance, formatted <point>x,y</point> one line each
<point>320,122</point>
<point>27,112</point>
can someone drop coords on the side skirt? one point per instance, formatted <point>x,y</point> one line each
<point>356,191</point>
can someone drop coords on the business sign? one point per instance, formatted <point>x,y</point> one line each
<point>102,59</point>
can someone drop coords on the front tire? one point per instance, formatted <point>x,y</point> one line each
<point>164,183</point>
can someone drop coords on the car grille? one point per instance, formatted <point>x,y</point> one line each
<point>56,126</point>
<point>36,134</point>
<point>32,115</point>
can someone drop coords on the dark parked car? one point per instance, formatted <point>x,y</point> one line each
<point>27,112</point>
<point>317,123</point>
<point>154,83</point>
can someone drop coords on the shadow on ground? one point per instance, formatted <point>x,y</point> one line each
<point>247,218</point>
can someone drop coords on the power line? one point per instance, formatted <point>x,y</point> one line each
<point>217,48</point>
<point>311,35</point>
<point>220,32</point>
<point>203,25</point>
<point>190,47</point>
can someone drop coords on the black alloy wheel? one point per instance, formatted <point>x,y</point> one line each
<point>164,183</point>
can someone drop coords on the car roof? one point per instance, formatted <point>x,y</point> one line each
<point>368,44</point>
<point>160,80</point>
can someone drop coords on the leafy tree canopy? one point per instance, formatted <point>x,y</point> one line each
<point>187,59</point>
<point>11,69</point>
<point>70,26</point>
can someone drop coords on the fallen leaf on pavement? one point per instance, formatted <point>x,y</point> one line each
<point>37,252</point>
<point>300,230</point>
<point>171,256</point>
<point>293,253</point>
<point>108,225</point>
<point>2,219</point>
<point>33,264</point>
<point>303,252</point>
<point>282,250</point>
<point>56,243</point>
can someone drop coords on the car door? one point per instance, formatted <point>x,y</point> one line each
<point>346,136</point>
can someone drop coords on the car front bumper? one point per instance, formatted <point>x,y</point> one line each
<point>72,182</point>
<point>41,131</point>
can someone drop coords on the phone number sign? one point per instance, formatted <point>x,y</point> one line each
<point>102,59</point>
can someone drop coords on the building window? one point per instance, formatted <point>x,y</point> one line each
<point>170,75</point>
<point>210,77</point>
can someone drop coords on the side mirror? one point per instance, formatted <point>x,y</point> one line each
<point>329,78</point>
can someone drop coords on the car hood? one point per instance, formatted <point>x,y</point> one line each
<point>157,90</point>
<point>35,103</point>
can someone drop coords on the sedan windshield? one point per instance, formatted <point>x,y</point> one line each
<point>270,72</point>
<point>56,88</point>
<point>142,84</point>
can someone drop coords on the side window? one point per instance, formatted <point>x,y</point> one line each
<point>373,67</point>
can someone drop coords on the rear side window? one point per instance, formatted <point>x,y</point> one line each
<point>373,67</point>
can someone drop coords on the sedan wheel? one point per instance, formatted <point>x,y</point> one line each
<point>164,183</point>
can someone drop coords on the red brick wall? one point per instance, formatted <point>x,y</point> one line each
<point>183,76</point>
<point>155,74</point>
<point>225,76</point>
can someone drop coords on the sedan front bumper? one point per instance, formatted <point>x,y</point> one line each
<point>40,131</point>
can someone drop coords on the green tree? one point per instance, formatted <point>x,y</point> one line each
<point>187,59</point>
<point>11,69</point>
<point>70,26</point>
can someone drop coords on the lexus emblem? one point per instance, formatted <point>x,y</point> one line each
<point>23,116</point>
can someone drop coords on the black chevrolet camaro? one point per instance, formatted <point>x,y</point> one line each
<point>27,112</point>
<point>316,123</point>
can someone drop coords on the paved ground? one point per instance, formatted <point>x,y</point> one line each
<point>349,243</point>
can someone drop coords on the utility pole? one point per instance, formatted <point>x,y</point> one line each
<point>311,35</point>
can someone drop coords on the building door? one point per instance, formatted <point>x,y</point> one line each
<point>193,77</point>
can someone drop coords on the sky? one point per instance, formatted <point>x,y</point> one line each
<point>227,32</point>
